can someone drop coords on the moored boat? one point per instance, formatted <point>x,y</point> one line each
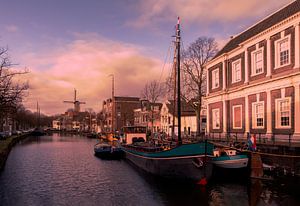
<point>181,161</point>
<point>230,159</point>
<point>186,162</point>
<point>107,151</point>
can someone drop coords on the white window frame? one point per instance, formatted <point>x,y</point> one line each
<point>215,75</point>
<point>254,115</point>
<point>233,70</point>
<point>278,113</point>
<point>214,126</point>
<point>254,62</point>
<point>277,52</point>
<point>233,116</point>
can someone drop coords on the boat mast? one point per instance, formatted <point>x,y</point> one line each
<point>175,92</point>
<point>178,81</point>
<point>113,104</point>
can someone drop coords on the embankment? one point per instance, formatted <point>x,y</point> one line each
<point>6,146</point>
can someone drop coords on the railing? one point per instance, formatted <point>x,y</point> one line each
<point>261,138</point>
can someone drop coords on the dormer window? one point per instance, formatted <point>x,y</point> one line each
<point>236,71</point>
<point>257,62</point>
<point>283,52</point>
<point>215,78</point>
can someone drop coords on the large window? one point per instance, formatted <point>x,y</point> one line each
<point>237,117</point>
<point>283,52</point>
<point>216,118</point>
<point>258,115</point>
<point>215,78</point>
<point>257,62</point>
<point>236,71</point>
<point>283,112</point>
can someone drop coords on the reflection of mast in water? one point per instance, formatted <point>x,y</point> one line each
<point>254,191</point>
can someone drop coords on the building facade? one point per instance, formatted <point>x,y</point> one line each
<point>148,115</point>
<point>118,113</point>
<point>188,119</point>
<point>254,81</point>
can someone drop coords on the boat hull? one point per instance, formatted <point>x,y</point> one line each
<point>232,163</point>
<point>106,151</point>
<point>110,155</point>
<point>192,167</point>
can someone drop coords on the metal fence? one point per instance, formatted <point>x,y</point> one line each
<point>261,138</point>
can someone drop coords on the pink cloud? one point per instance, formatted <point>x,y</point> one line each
<point>11,28</point>
<point>202,11</point>
<point>85,64</point>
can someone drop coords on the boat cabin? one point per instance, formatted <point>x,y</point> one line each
<point>133,134</point>
<point>224,152</point>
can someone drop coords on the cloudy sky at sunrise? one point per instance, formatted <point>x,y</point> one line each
<point>67,44</point>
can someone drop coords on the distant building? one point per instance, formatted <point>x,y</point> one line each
<point>118,112</point>
<point>188,118</point>
<point>56,124</point>
<point>254,81</point>
<point>148,115</point>
<point>76,121</point>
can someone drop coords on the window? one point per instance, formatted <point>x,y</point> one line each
<point>215,78</point>
<point>283,113</point>
<point>237,117</point>
<point>257,62</point>
<point>283,52</point>
<point>258,115</point>
<point>216,118</point>
<point>236,71</point>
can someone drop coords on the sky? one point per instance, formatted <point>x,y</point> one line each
<point>78,44</point>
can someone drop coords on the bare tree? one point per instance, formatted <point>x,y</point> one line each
<point>193,75</point>
<point>11,90</point>
<point>152,92</point>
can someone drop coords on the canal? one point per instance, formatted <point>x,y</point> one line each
<point>62,170</point>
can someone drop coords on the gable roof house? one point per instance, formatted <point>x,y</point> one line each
<point>188,118</point>
<point>254,81</point>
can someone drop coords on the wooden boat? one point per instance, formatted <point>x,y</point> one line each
<point>38,132</point>
<point>228,158</point>
<point>187,161</point>
<point>182,161</point>
<point>108,151</point>
<point>92,135</point>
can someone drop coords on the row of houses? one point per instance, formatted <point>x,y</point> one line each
<point>77,121</point>
<point>157,117</point>
<point>253,87</point>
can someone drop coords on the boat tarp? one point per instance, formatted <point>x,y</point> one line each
<point>179,151</point>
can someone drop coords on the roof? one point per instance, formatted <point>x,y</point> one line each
<point>135,99</point>
<point>261,26</point>
<point>186,109</point>
<point>146,104</point>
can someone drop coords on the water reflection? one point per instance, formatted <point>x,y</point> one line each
<point>62,170</point>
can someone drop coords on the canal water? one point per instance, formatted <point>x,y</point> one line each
<point>62,170</point>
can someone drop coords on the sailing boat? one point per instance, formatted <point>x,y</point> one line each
<point>184,161</point>
<point>38,131</point>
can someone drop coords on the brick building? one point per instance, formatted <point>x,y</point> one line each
<point>118,112</point>
<point>148,115</point>
<point>254,80</point>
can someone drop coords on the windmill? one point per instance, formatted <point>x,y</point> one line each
<point>76,103</point>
